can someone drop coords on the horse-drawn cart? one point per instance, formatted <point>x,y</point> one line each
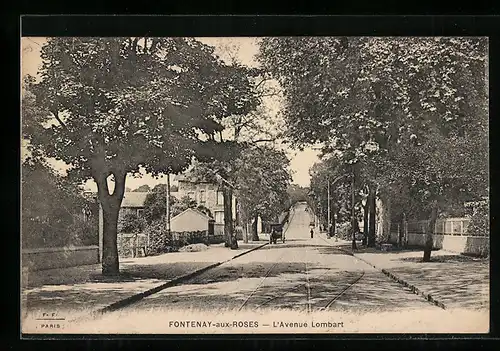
<point>276,233</point>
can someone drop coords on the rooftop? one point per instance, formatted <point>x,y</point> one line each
<point>188,177</point>
<point>191,210</point>
<point>134,199</point>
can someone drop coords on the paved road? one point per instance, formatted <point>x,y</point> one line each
<point>301,274</point>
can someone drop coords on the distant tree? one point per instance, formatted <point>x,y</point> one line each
<point>118,104</point>
<point>174,188</point>
<point>143,189</point>
<point>297,193</point>
<point>331,169</point>
<point>155,204</point>
<point>131,223</point>
<point>51,206</point>
<point>181,205</point>
<point>262,180</point>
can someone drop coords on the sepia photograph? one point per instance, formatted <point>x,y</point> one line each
<point>254,185</point>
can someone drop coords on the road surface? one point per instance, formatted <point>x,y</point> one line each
<point>302,274</point>
<point>301,286</point>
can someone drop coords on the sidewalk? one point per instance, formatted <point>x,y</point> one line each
<point>76,291</point>
<point>452,279</point>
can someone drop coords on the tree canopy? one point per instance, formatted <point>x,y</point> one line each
<point>262,181</point>
<point>410,113</point>
<point>120,104</point>
<point>54,209</point>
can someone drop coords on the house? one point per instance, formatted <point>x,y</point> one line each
<point>189,220</point>
<point>205,194</point>
<point>133,202</point>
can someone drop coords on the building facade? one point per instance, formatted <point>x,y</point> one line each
<point>189,220</point>
<point>205,194</point>
<point>133,202</point>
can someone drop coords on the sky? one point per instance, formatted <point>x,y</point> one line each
<point>244,49</point>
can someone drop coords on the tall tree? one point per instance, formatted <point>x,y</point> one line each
<point>353,93</point>
<point>255,128</point>
<point>117,104</point>
<point>155,204</point>
<point>262,182</point>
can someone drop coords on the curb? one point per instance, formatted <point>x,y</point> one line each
<point>400,281</point>
<point>246,252</point>
<point>176,281</point>
<point>414,289</point>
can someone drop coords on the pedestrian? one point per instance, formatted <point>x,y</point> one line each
<point>312,233</point>
<point>234,243</point>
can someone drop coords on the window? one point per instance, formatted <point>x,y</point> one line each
<point>202,197</point>
<point>220,198</point>
<point>139,212</point>
<point>219,216</point>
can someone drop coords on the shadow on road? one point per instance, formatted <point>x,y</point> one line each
<point>450,282</point>
<point>286,287</point>
<point>91,290</point>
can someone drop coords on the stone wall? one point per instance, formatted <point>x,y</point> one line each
<point>471,245</point>
<point>59,257</point>
<point>450,235</point>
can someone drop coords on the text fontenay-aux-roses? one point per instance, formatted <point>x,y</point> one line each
<point>252,324</point>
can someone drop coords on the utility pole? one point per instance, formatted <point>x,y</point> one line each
<point>167,214</point>
<point>329,219</point>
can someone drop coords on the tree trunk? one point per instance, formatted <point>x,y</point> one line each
<point>237,220</point>
<point>228,215</point>
<point>401,232</point>
<point>111,208</point>
<point>110,262</point>
<point>356,225</point>
<point>255,234</point>
<point>354,220</point>
<point>245,232</point>
<point>386,217</point>
<point>365,223</point>
<point>371,217</point>
<point>429,236</point>
<point>243,218</point>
